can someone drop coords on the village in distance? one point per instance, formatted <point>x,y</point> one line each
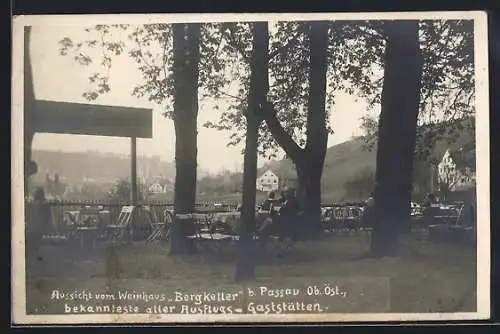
<point>348,174</point>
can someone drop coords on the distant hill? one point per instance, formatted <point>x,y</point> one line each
<point>348,159</point>
<point>343,162</point>
<point>74,167</point>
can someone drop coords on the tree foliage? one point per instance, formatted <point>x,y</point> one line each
<point>150,46</point>
<point>289,53</point>
<point>224,69</point>
<point>447,92</point>
<point>355,58</point>
<point>121,192</point>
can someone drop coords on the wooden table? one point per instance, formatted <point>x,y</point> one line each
<point>87,234</point>
<point>86,231</point>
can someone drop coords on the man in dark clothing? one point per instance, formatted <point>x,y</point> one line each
<point>369,213</point>
<point>288,215</point>
<point>282,198</point>
<point>430,199</point>
<point>266,206</point>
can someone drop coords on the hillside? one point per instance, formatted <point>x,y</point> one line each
<point>348,160</point>
<point>344,162</point>
<point>74,167</point>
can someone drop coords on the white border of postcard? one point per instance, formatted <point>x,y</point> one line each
<point>482,161</point>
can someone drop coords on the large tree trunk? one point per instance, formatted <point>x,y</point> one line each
<point>397,135</point>
<point>309,160</point>
<point>309,197</point>
<point>185,70</point>
<point>310,169</point>
<point>259,86</point>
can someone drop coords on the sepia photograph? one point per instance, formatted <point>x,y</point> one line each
<point>174,168</point>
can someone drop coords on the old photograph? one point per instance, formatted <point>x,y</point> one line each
<point>175,168</point>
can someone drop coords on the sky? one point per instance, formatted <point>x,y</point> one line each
<point>60,78</point>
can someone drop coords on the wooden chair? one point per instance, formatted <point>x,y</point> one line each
<point>159,229</point>
<point>122,230</point>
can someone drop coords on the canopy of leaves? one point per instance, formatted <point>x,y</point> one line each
<point>447,93</point>
<point>150,46</point>
<point>289,75</point>
<point>122,190</point>
<point>224,69</point>
<point>355,57</point>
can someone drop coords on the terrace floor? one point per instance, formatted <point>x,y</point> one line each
<point>428,278</point>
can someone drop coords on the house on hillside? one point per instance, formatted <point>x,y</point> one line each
<point>457,169</point>
<point>156,188</point>
<point>161,186</point>
<point>268,181</point>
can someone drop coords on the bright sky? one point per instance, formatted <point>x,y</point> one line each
<point>60,78</point>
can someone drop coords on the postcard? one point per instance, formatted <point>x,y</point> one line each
<point>205,168</point>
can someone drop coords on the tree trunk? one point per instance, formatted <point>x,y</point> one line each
<point>309,160</point>
<point>397,136</point>
<point>259,86</point>
<point>185,70</point>
<point>309,197</point>
<point>310,169</point>
<point>246,257</point>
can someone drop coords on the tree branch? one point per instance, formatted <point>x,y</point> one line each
<point>268,113</point>
<point>369,34</point>
<point>230,96</point>
<point>237,44</point>
<point>292,42</point>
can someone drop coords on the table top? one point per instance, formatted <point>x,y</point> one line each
<point>87,228</point>
<point>73,212</point>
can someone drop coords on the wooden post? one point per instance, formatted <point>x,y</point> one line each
<point>79,119</point>
<point>432,178</point>
<point>133,184</point>
<point>133,169</point>
<point>29,97</point>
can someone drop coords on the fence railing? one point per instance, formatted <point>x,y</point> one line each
<point>59,208</point>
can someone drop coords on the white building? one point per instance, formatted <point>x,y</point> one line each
<point>452,171</point>
<point>268,182</point>
<point>156,188</point>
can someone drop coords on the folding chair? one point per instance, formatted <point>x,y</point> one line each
<point>328,219</point>
<point>122,229</point>
<point>159,229</point>
<point>338,219</point>
<point>70,219</point>
<point>352,220</point>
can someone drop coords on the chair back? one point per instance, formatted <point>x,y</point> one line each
<point>125,216</point>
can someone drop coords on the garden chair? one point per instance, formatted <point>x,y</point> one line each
<point>122,230</point>
<point>159,229</point>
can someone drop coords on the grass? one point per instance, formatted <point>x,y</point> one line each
<point>427,278</point>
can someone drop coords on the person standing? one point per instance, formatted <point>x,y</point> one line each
<point>368,213</point>
<point>38,221</point>
<point>429,209</point>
